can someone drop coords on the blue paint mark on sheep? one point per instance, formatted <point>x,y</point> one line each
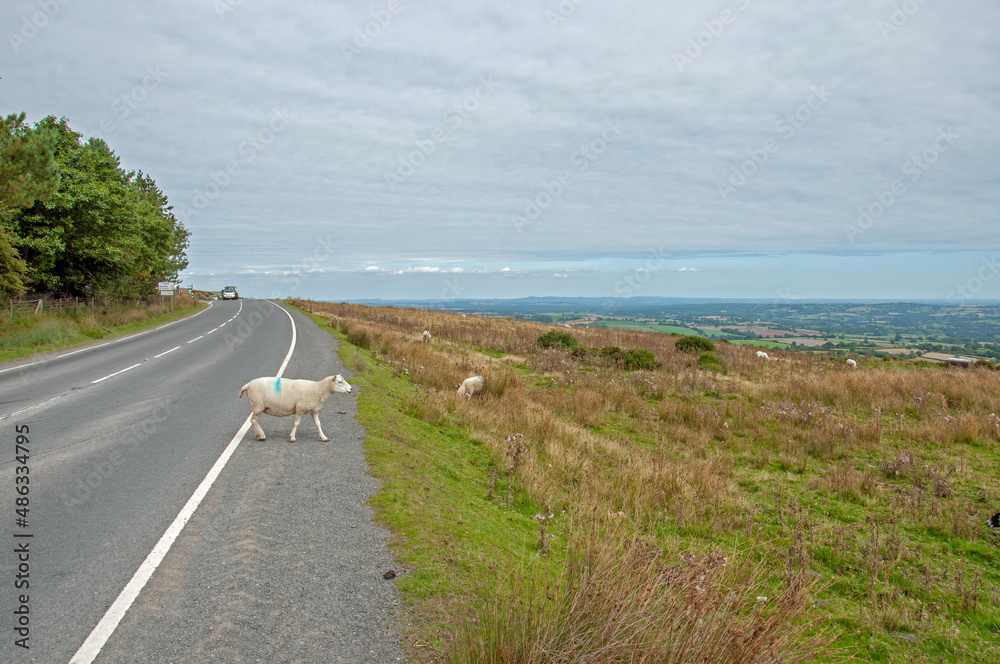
<point>277,385</point>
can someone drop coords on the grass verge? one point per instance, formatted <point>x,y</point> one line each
<point>27,334</point>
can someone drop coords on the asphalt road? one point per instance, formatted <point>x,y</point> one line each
<point>280,563</point>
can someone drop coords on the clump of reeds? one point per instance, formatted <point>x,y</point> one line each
<point>627,604</point>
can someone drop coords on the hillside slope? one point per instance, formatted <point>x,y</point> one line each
<point>803,503</point>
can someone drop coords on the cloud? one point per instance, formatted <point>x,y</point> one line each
<point>493,112</point>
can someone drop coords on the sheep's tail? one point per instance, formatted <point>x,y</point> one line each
<point>245,388</point>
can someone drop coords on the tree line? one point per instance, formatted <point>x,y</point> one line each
<point>74,223</point>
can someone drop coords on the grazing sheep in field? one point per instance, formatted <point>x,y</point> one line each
<point>282,397</point>
<point>994,521</point>
<point>427,337</point>
<point>763,355</point>
<point>851,363</point>
<point>470,386</point>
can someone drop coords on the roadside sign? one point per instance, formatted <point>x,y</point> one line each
<point>166,287</point>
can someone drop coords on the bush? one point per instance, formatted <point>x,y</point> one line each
<point>692,343</point>
<point>640,358</point>
<point>637,358</point>
<point>613,354</point>
<point>557,339</point>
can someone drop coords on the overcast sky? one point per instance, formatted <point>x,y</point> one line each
<point>403,149</point>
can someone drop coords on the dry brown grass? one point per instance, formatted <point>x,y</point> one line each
<point>630,607</point>
<point>668,452</point>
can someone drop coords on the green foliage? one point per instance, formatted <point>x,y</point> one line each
<point>557,339</point>
<point>709,360</point>
<point>102,232</point>
<point>637,358</point>
<point>694,344</point>
<point>640,358</point>
<point>27,173</point>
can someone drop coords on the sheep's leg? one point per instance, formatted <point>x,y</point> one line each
<point>322,436</point>
<point>256,427</point>
<point>298,418</point>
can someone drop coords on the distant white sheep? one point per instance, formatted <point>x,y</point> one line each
<point>851,363</point>
<point>470,386</point>
<point>763,355</point>
<point>427,337</point>
<point>288,396</point>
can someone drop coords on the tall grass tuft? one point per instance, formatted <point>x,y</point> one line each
<point>625,604</point>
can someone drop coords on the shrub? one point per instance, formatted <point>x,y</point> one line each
<point>557,339</point>
<point>637,358</point>
<point>640,358</point>
<point>613,354</point>
<point>693,343</point>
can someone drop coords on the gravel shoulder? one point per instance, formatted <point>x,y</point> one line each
<point>282,562</point>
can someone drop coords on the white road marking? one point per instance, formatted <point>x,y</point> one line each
<point>106,627</point>
<point>165,352</point>
<point>194,340</point>
<point>116,373</point>
<point>18,412</point>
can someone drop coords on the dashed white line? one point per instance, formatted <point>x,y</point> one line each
<point>18,412</point>
<point>194,340</point>
<point>116,373</point>
<point>165,352</point>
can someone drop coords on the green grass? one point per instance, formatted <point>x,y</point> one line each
<point>650,327</point>
<point>453,528</point>
<point>27,334</point>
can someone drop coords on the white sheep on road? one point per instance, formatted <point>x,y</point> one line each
<point>288,396</point>
<point>851,363</point>
<point>470,386</point>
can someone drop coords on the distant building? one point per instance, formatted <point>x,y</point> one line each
<point>967,362</point>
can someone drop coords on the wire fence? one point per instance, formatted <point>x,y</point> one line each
<point>40,305</point>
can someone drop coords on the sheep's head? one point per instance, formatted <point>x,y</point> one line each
<point>338,384</point>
